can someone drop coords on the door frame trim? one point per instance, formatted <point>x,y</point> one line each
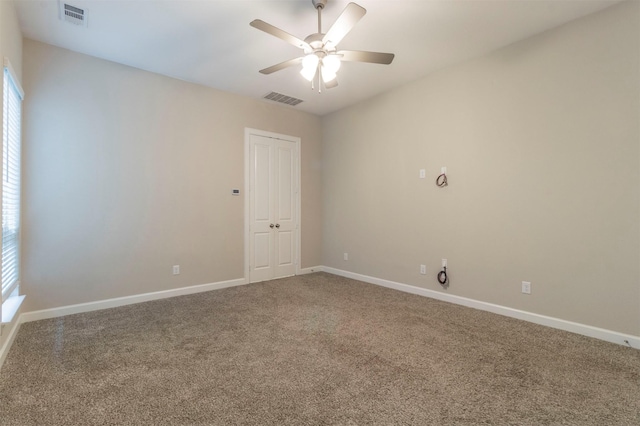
<point>247,201</point>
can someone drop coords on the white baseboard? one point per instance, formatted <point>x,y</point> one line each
<point>127,300</point>
<point>4,350</point>
<point>310,270</point>
<point>573,327</point>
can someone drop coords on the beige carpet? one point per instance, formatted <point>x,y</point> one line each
<point>310,350</point>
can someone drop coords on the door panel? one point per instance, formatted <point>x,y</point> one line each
<point>285,183</point>
<point>285,250</point>
<point>263,192</point>
<point>262,244</point>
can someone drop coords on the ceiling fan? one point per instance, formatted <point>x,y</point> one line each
<point>321,57</point>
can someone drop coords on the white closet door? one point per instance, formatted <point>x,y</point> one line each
<point>273,221</point>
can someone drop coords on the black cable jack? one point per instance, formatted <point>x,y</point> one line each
<point>442,276</point>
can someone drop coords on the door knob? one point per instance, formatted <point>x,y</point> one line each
<point>277,225</point>
<point>271,226</point>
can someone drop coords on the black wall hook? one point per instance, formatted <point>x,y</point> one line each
<point>442,180</point>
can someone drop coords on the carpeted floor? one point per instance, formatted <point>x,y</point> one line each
<point>309,350</point>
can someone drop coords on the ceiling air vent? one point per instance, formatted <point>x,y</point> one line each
<point>283,99</point>
<point>72,14</point>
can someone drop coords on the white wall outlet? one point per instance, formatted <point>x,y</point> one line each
<point>176,269</point>
<point>444,263</point>
<point>346,256</point>
<point>423,173</point>
<point>443,170</point>
<point>526,287</point>
<point>423,269</point>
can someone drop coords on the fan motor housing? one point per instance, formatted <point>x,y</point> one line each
<point>315,40</point>
<point>319,48</point>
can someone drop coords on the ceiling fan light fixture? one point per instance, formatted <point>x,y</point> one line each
<point>309,66</point>
<point>308,73</point>
<point>331,63</point>
<point>328,75</point>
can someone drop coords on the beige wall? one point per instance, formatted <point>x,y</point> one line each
<point>10,47</point>
<point>127,173</point>
<point>541,142</point>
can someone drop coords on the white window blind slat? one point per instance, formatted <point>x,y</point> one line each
<point>12,104</point>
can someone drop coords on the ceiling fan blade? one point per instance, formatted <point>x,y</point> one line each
<point>371,57</point>
<point>330,85</point>
<point>277,32</point>
<point>282,65</point>
<point>345,22</point>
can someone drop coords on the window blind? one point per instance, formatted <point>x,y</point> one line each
<point>11,183</point>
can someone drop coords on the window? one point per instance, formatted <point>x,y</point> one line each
<point>12,102</point>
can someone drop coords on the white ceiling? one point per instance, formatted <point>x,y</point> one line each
<point>210,42</point>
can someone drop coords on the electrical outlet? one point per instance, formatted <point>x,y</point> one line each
<point>176,269</point>
<point>526,287</point>
<point>346,256</point>
<point>444,263</point>
<point>423,173</point>
<point>423,269</point>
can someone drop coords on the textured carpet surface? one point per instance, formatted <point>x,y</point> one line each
<point>313,349</point>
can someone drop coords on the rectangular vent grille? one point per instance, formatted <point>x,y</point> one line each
<point>73,14</point>
<point>283,99</point>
